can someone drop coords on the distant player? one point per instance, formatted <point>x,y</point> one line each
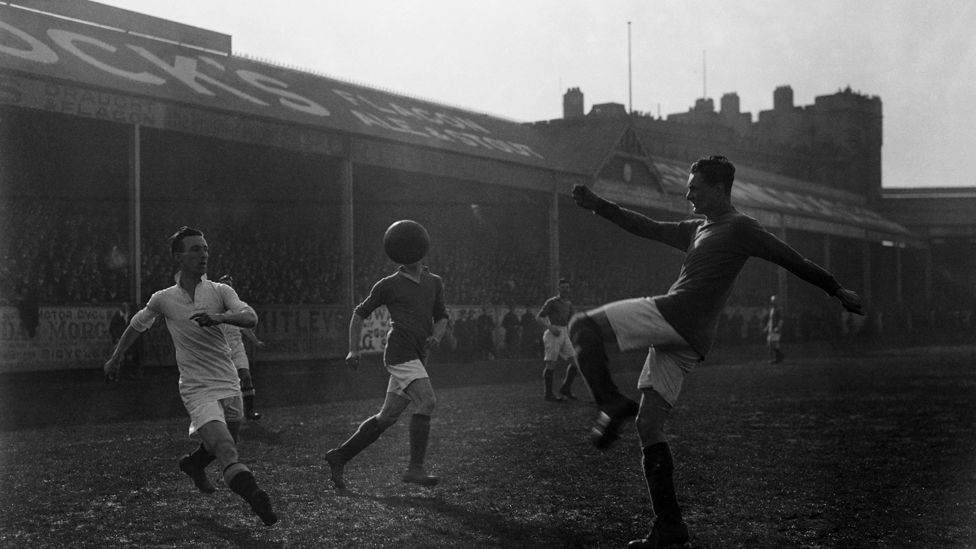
<point>556,313</point>
<point>677,328</point>
<point>239,354</point>
<point>414,298</point>
<point>194,309</point>
<point>774,331</point>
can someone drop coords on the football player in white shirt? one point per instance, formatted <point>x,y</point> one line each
<point>238,354</point>
<point>194,309</point>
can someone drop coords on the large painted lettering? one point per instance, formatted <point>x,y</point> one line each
<point>109,58</point>
<point>36,50</point>
<point>64,50</point>
<point>396,118</point>
<point>287,98</point>
<point>69,40</point>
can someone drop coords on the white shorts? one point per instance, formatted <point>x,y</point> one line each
<point>773,338</point>
<point>239,356</point>
<point>402,375</point>
<point>204,411</point>
<point>557,346</point>
<point>638,323</point>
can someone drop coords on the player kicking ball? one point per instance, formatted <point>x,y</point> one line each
<point>414,298</point>
<point>194,309</point>
<point>677,328</point>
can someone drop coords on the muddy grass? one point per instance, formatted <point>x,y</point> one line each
<point>867,451</point>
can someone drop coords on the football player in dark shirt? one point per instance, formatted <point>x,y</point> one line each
<point>677,328</point>
<point>414,298</point>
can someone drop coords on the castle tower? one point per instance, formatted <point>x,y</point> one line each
<point>783,99</point>
<point>730,105</point>
<point>573,104</point>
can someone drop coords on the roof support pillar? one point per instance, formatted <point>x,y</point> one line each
<point>554,238</point>
<point>135,221</point>
<point>348,266</point>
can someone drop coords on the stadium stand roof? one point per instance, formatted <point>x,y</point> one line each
<point>933,211</point>
<point>167,71</point>
<point>64,62</point>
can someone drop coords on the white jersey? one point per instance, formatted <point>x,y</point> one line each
<point>233,336</point>
<point>202,354</point>
<point>236,343</point>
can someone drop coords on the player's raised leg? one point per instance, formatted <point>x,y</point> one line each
<point>589,332</point>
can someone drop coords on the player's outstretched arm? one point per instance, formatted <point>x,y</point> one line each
<point>114,362</point>
<point>244,318</point>
<point>585,198</point>
<point>629,220</point>
<point>850,300</point>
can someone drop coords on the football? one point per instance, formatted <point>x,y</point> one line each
<point>406,242</point>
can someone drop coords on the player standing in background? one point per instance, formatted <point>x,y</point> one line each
<point>414,298</point>
<point>556,313</point>
<point>194,309</point>
<point>239,355</point>
<point>677,328</point>
<point>774,331</point>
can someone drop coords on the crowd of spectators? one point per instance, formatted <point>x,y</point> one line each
<point>63,252</point>
<point>56,252</point>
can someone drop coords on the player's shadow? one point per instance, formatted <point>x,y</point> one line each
<point>242,537</point>
<point>472,519</point>
<point>255,432</point>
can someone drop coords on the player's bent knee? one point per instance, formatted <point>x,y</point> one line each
<point>650,430</point>
<point>654,412</point>
<point>426,406</point>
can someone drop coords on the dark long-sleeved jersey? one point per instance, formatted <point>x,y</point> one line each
<point>414,306</point>
<point>558,309</point>
<point>715,252</point>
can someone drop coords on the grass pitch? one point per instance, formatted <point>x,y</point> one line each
<point>876,450</point>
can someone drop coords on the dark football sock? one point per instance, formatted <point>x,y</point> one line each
<point>658,466</point>
<point>366,434</point>
<point>201,457</point>
<point>547,377</point>
<point>419,435</point>
<point>244,485</point>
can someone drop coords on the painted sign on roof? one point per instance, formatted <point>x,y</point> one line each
<point>37,44</point>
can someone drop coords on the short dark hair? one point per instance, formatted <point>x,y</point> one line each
<point>717,170</point>
<point>226,279</point>
<point>563,281</point>
<point>176,240</point>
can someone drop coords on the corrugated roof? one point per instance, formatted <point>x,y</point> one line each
<point>747,193</point>
<point>582,145</point>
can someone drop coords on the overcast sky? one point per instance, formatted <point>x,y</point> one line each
<point>515,58</point>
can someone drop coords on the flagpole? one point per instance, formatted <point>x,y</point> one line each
<point>630,85</point>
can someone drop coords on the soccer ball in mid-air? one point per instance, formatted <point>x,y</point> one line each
<point>406,242</point>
